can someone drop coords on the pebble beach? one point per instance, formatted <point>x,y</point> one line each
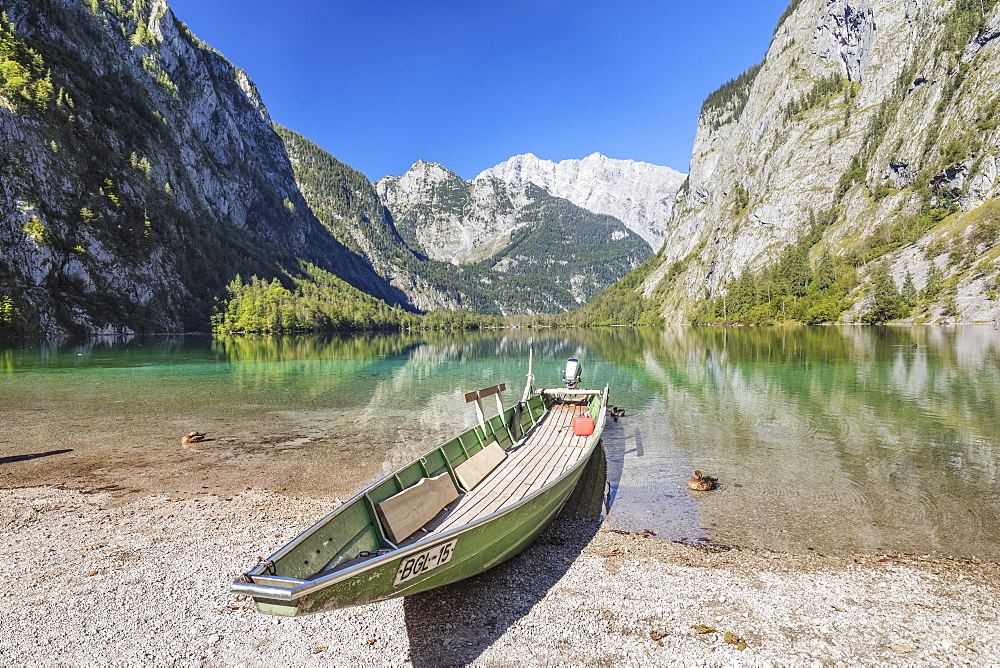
<point>106,576</point>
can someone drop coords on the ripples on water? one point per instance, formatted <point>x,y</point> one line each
<point>835,439</point>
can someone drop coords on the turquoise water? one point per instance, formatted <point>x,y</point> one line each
<point>832,439</point>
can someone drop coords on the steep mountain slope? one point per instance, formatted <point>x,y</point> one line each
<point>559,256</point>
<point>483,247</point>
<point>345,202</point>
<point>869,132</point>
<point>140,175</point>
<point>442,216</point>
<point>350,208</point>
<point>639,194</point>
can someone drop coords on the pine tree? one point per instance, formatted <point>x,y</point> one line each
<point>793,271</point>
<point>933,285</point>
<point>885,297</point>
<point>825,271</point>
<point>909,290</point>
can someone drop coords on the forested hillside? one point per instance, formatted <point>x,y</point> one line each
<point>318,301</point>
<point>344,201</point>
<point>140,175</point>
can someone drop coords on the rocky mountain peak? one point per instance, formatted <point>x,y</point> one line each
<point>432,170</point>
<point>639,194</point>
<point>421,179</point>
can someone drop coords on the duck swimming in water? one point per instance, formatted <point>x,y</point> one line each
<point>617,413</point>
<point>702,483</point>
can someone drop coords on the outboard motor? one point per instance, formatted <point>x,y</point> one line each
<point>571,375</point>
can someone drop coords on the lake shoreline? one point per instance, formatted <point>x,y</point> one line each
<point>110,577</point>
<point>830,438</point>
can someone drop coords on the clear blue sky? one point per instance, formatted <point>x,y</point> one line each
<point>470,83</point>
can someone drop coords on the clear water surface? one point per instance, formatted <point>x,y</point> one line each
<point>833,439</point>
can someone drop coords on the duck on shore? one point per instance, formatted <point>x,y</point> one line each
<point>193,437</point>
<point>702,483</point>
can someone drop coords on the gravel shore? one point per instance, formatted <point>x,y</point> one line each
<point>106,577</point>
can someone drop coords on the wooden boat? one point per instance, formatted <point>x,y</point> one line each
<point>458,510</point>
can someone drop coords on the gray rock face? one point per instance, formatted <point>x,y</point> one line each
<point>450,220</point>
<point>846,33</point>
<point>464,222</point>
<point>639,194</point>
<point>150,178</point>
<point>517,248</point>
<point>912,111</point>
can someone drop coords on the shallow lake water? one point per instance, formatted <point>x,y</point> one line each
<point>832,439</point>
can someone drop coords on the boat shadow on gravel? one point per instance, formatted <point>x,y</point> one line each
<point>23,458</point>
<point>455,624</point>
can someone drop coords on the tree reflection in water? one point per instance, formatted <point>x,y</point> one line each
<point>831,438</point>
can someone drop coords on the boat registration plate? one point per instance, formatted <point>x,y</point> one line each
<point>428,560</point>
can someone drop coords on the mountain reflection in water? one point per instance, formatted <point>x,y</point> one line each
<point>835,439</point>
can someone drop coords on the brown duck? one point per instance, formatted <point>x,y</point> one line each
<point>702,483</point>
<point>192,437</point>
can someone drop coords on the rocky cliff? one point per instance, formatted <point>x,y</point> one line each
<point>450,220</point>
<point>869,133</point>
<point>482,246</point>
<point>140,174</point>
<point>639,194</point>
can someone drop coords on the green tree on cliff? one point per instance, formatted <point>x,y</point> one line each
<point>886,303</point>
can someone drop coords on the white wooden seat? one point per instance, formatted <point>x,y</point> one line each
<point>402,514</point>
<point>472,471</point>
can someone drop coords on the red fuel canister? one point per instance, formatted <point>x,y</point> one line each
<point>583,425</point>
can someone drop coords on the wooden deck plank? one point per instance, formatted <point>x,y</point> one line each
<point>543,457</point>
<point>506,481</point>
<point>569,451</point>
<point>526,481</point>
<point>506,484</point>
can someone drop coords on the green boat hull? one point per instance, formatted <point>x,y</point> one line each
<point>283,586</point>
<point>479,547</point>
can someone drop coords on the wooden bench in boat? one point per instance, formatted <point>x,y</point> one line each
<point>549,449</point>
<point>402,514</point>
<point>491,479</point>
<point>472,471</point>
